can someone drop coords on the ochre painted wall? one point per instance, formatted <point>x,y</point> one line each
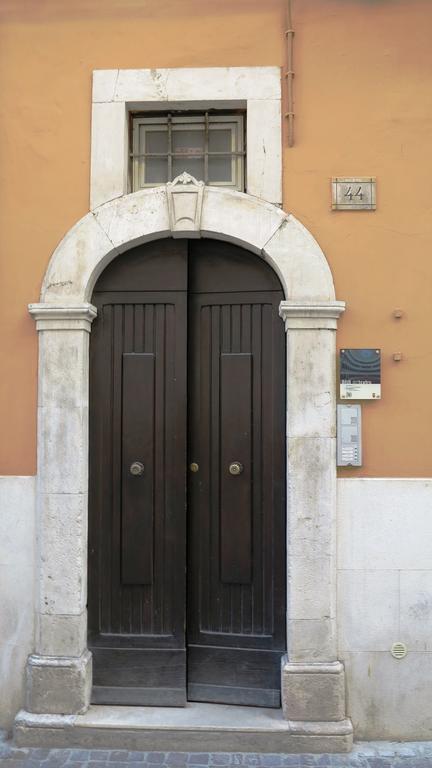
<point>363,102</point>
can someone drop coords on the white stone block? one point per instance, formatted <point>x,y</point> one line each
<point>63,449</point>
<point>222,83</point>
<point>389,698</point>
<point>416,610</point>
<point>17,521</point>
<point>313,692</point>
<point>63,368</point>
<point>68,277</point>
<point>385,523</point>
<point>310,588</point>
<point>61,635</point>
<point>104,83</point>
<point>311,549</point>
<point>109,153</point>
<point>59,685</point>
<point>63,553</point>
<point>264,150</point>
<point>295,253</point>
<point>311,498</point>
<point>368,610</point>
<point>312,640</point>
<point>135,219</point>
<point>235,217</point>
<point>187,84</point>
<point>142,85</point>
<point>311,383</point>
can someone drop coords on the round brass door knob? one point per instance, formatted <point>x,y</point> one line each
<point>236,468</point>
<point>194,467</point>
<point>136,468</point>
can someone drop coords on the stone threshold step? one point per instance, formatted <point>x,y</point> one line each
<point>196,727</point>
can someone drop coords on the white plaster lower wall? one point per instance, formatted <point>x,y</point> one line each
<point>17,561</point>
<point>385,595</point>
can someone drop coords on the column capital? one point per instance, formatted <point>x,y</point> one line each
<point>64,317</point>
<point>306,316</point>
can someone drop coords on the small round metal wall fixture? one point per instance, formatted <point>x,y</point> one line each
<point>399,650</point>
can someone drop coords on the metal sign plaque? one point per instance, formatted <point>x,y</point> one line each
<point>360,374</point>
<point>353,193</point>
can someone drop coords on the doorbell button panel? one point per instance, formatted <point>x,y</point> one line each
<point>349,443</point>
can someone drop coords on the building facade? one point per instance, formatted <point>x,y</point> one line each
<point>180,275</point>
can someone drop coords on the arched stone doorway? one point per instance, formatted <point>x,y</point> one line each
<point>187,482</point>
<point>59,672</point>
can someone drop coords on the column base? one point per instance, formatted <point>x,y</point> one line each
<point>313,693</point>
<point>59,685</point>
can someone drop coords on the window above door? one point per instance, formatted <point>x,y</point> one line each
<point>210,147</point>
<point>122,95</point>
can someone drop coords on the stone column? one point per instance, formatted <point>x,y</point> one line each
<point>59,672</point>
<point>313,688</point>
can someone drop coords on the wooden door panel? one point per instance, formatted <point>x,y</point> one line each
<point>234,609</point>
<point>236,582</point>
<point>138,409</point>
<point>235,490</point>
<point>137,523</point>
<point>234,676</point>
<point>139,677</point>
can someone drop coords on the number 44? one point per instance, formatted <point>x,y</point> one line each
<point>349,193</point>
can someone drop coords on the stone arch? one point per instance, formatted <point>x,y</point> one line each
<point>59,671</point>
<point>134,219</point>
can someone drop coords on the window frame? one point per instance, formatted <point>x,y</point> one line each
<point>205,119</point>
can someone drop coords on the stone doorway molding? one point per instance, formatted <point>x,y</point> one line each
<point>59,672</point>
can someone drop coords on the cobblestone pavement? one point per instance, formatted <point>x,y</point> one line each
<point>378,754</point>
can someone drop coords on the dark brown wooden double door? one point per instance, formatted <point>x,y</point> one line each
<point>187,478</point>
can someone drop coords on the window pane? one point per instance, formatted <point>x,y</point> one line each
<point>220,140</point>
<point>156,170</point>
<point>156,141</point>
<point>219,169</point>
<point>193,166</point>
<point>188,143</point>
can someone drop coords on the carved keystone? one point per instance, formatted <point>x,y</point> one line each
<point>185,199</point>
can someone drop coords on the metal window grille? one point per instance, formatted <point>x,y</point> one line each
<point>203,123</point>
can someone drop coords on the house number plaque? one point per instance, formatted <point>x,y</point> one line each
<point>353,193</point>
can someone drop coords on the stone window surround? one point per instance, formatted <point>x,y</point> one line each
<point>117,92</point>
<point>59,672</point>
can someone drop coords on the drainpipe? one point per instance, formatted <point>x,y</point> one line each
<point>289,74</point>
